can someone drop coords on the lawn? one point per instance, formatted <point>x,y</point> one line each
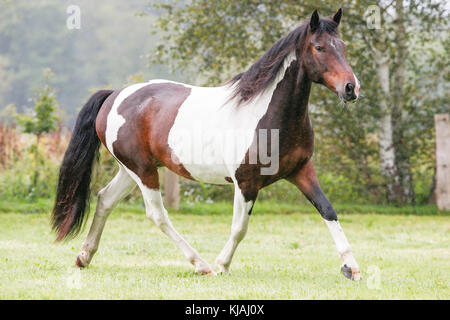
<point>288,254</point>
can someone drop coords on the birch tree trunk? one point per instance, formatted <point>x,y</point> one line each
<point>385,132</point>
<point>380,47</point>
<point>402,158</point>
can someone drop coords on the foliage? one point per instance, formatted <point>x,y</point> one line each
<point>29,166</point>
<point>18,178</point>
<point>43,118</point>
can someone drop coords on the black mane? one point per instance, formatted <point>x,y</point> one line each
<point>261,74</point>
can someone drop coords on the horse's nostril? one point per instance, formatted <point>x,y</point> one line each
<point>349,87</point>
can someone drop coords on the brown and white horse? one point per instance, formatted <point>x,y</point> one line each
<point>211,134</point>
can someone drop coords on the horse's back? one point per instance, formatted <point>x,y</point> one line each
<point>198,132</point>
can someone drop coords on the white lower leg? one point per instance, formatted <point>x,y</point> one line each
<point>343,248</point>
<point>155,210</point>
<point>108,197</point>
<point>226,255</point>
<point>239,228</point>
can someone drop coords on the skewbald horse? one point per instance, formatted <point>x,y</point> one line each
<point>148,125</point>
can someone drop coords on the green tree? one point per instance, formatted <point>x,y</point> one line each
<point>42,119</point>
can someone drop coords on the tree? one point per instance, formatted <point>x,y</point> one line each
<point>41,120</point>
<point>217,39</point>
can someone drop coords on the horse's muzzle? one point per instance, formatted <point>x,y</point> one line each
<point>350,95</point>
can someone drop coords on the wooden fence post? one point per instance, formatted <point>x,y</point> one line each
<point>442,125</point>
<point>171,189</point>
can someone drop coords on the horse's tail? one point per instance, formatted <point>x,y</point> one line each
<point>72,195</point>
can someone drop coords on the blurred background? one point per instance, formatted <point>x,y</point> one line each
<point>381,151</point>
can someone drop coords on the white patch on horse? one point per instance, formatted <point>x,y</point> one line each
<point>332,44</point>
<point>210,130</point>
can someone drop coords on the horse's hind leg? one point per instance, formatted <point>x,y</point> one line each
<point>158,214</point>
<point>108,198</point>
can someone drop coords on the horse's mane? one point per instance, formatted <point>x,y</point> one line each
<point>250,83</point>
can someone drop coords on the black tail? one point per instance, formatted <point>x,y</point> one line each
<point>72,196</point>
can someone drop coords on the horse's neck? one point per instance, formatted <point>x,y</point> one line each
<point>290,100</point>
<point>302,90</point>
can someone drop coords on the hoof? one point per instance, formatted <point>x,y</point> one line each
<point>224,270</point>
<point>80,262</point>
<point>205,271</point>
<point>201,267</point>
<point>351,273</point>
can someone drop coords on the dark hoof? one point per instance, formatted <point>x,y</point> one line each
<point>350,274</point>
<point>346,271</point>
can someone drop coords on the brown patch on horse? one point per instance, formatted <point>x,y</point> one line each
<point>141,143</point>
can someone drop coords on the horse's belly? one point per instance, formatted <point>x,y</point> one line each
<point>214,174</point>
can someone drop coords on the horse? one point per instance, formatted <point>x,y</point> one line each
<point>212,135</point>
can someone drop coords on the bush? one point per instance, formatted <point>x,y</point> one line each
<point>16,176</point>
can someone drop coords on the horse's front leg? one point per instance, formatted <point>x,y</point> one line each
<point>244,198</point>
<point>306,180</point>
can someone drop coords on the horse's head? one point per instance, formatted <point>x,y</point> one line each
<point>324,58</point>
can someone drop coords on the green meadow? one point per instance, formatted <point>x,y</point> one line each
<point>288,253</point>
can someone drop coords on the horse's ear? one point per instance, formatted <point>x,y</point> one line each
<point>337,16</point>
<point>314,24</point>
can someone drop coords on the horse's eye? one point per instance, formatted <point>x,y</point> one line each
<point>320,48</point>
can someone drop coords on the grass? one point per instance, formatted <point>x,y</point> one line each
<point>288,254</point>
<point>45,205</point>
